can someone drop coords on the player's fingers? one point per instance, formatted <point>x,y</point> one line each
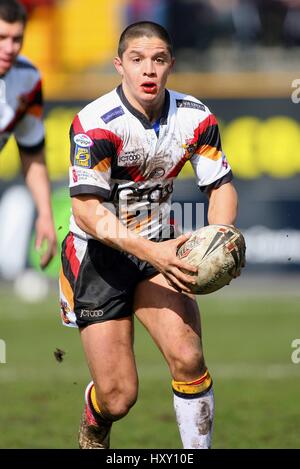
<point>182,239</point>
<point>45,259</point>
<point>177,284</point>
<point>183,277</point>
<point>173,285</point>
<point>237,273</point>
<point>182,265</point>
<point>49,254</point>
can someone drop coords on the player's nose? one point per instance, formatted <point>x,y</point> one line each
<point>149,68</point>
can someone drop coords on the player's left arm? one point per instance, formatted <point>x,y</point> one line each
<point>37,180</point>
<point>213,172</point>
<point>222,209</point>
<point>223,205</point>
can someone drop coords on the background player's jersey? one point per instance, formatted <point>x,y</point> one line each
<point>21,106</point>
<point>118,155</point>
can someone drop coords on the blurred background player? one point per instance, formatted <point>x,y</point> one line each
<point>127,147</point>
<point>21,115</point>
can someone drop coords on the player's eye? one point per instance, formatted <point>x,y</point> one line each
<point>160,60</point>
<point>18,39</point>
<point>136,59</point>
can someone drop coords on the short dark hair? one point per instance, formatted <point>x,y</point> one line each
<point>12,11</point>
<point>144,28</point>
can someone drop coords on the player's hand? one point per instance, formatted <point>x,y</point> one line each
<point>241,266</point>
<point>45,231</point>
<point>178,273</point>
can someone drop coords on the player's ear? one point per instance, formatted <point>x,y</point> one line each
<point>118,65</point>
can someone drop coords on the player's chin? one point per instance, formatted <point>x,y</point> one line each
<point>149,97</point>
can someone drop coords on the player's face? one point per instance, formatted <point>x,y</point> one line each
<point>11,39</point>
<point>144,67</point>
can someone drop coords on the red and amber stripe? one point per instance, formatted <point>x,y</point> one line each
<point>193,389</point>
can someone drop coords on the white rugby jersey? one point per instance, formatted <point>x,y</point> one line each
<point>21,106</point>
<point>118,155</point>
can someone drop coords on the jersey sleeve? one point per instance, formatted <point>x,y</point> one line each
<point>91,155</point>
<point>30,132</point>
<point>209,161</point>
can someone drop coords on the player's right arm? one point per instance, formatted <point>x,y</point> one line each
<point>95,219</point>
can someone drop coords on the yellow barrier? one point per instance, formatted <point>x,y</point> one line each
<point>239,143</point>
<point>254,147</point>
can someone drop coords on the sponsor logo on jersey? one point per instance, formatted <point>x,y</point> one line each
<point>82,157</point>
<point>84,175</point>
<point>112,114</point>
<point>157,173</point>
<point>189,104</point>
<point>129,158</point>
<point>157,194</point>
<point>83,140</point>
<point>74,175</point>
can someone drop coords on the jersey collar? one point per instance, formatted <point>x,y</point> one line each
<point>144,121</point>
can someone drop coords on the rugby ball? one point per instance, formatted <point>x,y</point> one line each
<point>219,253</point>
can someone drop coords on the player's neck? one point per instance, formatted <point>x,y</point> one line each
<point>152,111</point>
<point>152,114</point>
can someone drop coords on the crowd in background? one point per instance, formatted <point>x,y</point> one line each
<point>208,35</point>
<point>200,23</point>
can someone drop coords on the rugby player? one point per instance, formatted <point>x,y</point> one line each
<point>119,258</point>
<point>21,115</point>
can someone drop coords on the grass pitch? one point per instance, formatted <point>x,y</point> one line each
<point>247,343</point>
